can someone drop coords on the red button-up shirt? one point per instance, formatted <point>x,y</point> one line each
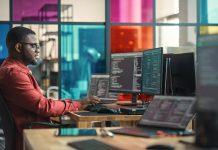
<point>24,98</point>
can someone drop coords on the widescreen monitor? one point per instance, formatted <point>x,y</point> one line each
<point>152,66</point>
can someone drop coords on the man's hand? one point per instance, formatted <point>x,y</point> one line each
<point>90,100</point>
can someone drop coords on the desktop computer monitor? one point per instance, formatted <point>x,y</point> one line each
<point>152,66</point>
<point>179,74</point>
<point>125,73</point>
<point>99,86</point>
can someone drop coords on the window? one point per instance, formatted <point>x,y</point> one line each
<point>208,11</point>
<point>77,36</point>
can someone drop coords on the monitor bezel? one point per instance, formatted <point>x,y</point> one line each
<point>190,111</point>
<point>179,73</point>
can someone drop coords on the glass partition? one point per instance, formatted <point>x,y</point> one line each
<point>208,11</point>
<point>35,10</point>
<point>131,11</point>
<point>131,38</point>
<point>4,28</point>
<point>83,10</point>
<point>82,54</point>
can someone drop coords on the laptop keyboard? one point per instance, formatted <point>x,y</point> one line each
<point>142,132</point>
<point>107,100</point>
<point>91,144</point>
<point>93,113</point>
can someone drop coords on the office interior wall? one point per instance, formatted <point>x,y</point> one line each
<point>84,10</point>
<point>166,8</point>
<point>184,10</point>
<point>172,36</point>
<point>4,10</point>
<point>188,11</point>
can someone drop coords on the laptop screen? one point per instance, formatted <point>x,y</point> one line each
<point>169,111</point>
<point>99,86</point>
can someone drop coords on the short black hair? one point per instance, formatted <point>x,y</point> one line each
<point>17,34</point>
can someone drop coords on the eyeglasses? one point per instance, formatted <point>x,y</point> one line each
<point>35,46</point>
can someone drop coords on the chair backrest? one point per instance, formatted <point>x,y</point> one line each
<point>8,125</point>
<point>52,92</point>
<point>1,60</point>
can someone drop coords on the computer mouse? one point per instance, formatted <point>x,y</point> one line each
<point>160,147</point>
<point>105,110</point>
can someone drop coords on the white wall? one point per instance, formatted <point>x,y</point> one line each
<point>4,10</point>
<point>87,10</point>
<point>166,7</point>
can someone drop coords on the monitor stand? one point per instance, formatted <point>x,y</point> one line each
<point>168,81</point>
<point>134,99</point>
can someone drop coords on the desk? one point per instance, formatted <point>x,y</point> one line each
<point>86,121</point>
<point>45,139</point>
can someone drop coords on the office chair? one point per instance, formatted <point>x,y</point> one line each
<point>8,125</point>
<point>1,60</point>
<point>52,92</point>
<point>9,128</point>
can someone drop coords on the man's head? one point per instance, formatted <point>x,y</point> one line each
<point>23,45</point>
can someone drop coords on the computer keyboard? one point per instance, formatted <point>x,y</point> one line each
<point>94,108</point>
<point>91,144</point>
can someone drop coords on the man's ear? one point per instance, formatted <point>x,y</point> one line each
<point>18,47</point>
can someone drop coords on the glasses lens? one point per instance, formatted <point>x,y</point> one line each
<point>35,46</point>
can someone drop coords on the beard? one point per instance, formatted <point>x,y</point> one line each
<point>29,60</point>
<point>29,57</point>
<point>34,62</point>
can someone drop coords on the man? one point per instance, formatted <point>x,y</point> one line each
<point>20,89</point>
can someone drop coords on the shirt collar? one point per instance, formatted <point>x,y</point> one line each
<point>17,62</point>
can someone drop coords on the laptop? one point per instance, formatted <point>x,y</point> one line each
<point>99,86</point>
<point>170,114</point>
